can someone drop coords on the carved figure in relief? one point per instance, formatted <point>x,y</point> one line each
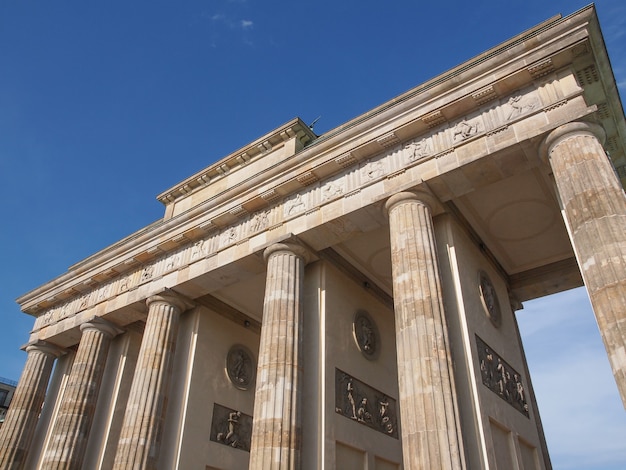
<point>103,293</point>
<point>296,205</point>
<point>260,221</point>
<point>147,272</point>
<point>198,249</point>
<point>228,236</point>
<point>330,190</point>
<point>374,170</point>
<point>123,286</point>
<point>230,437</point>
<point>173,261</point>
<point>487,369</point>
<point>83,302</point>
<point>362,415</point>
<point>501,377</point>
<point>520,395</point>
<point>350,391</point>
<point>518,105</point>
<point>417,150</point>
<point>463,130</point>
<point>385,421</point>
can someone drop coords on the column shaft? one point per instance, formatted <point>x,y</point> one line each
<point>19,426</point>
<point>70,431</point>
<point>594,204</point>
<point>141,432</point>
<point>276,432</point>
<point>427,396</point>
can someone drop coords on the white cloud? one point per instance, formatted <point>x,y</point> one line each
<point>245,24</point>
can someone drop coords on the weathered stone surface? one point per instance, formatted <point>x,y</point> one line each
<point>595,210</point>
<point>17,431</point>
<point>427,409</point>
<point>139,442</point>
<point>70,432</point>
<point>276,432</point>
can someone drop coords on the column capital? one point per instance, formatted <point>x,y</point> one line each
<point>102,325</point>
<point>44,347</point>
<point>418,195</point>
<point>170,297</point>
<point>568,130</point>
<point>291,248</point>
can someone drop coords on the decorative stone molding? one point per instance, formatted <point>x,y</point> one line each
<point>433,119</point>
<point>484,95</point>
<point>346,160</point>
<point>587,76</point>
<point>570,130</point>
<point>388,140</point>
<point>271,196</point>
<point>224,230</point>
<point>541,68</point>
<point>305,179</point>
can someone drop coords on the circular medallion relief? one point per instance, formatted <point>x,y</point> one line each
<point>489,299</point>
<point>366,334</point>
<point>240,366</point>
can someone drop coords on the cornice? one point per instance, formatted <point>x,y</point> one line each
<point>294,129</point>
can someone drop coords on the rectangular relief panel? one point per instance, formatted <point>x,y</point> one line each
<point>231,427</point>
<point>365,405</point>
<point>499,377</point>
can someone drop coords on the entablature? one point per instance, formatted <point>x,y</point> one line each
<point>510,95</point>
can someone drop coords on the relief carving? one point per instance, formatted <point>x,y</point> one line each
<point>147,272</point>
<point>366,334</point>
<point>295,205</point>
<point>501,378</point>
<point>229,236</point>
<point>489,299</point>
<point>332,189</point>
<point>418,150</point>
<point>123,285</point>
<point>518,105</point>
<point>364,404</point>
<point>198,250</point>
<point>465,129</point>
<point>373,170</point>
<point>173,261</point>
<point>260,221</point>
<point>240,367</point>
<point>231,427</point>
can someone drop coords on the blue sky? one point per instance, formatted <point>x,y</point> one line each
<point>105,105</point>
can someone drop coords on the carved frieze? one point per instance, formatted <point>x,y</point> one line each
<point>372,170</point>
<point>365,405</point>
<point>332,189</point>
<point>231,428</point>
<point>499,377</point>
<point>208,238</point>
<point>296,204</point>
<point>464,129</point>
<point>418,149</point>
<point>519,105</point>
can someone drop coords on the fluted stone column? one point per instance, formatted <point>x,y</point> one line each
<point>276,430</point>
<point>139,442</point>
<point>19,425</point>
<point>595,210</point>
<point>427,397</point>
<point>70,431</point>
